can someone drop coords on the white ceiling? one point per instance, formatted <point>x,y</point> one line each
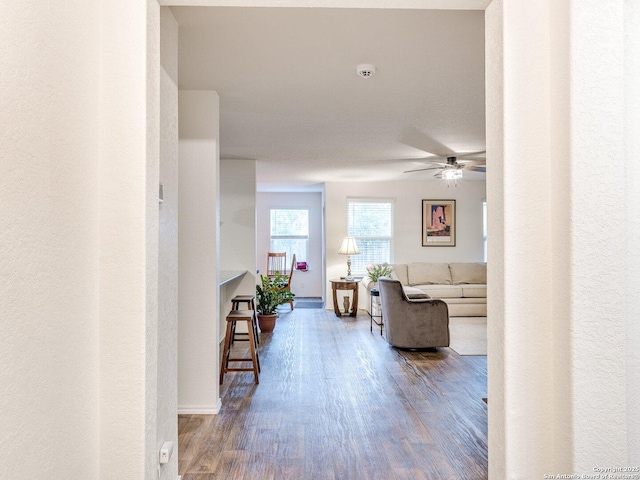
<point>291,99</point>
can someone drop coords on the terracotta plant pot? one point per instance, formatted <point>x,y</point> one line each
<point>267,322</point>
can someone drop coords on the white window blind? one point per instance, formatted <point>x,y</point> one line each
<point>370,222</point>
<point>290,232</point>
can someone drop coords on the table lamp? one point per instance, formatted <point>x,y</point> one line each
<point>349,248</point>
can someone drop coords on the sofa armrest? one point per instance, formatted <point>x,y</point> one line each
<point>367,283</point>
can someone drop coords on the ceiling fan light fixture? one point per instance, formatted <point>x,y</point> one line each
<point>451,174</point>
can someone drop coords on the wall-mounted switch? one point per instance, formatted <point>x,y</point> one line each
<point>165,452</point>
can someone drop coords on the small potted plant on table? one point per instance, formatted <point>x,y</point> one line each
<point>378,270</point>
<point>270,293</point>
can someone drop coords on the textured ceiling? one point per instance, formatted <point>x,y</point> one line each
<point>291,99</point>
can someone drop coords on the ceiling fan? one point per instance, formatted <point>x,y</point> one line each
<point>451,167</point>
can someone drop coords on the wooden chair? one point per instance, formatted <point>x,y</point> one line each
<point>276,262</point>
<point>290,276</point>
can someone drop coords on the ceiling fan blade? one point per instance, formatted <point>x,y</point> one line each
<point>476,168</point>
<point>469,161</point>
<point>438,175</point>
<point>422,169</point>
<point>472,154</point>
<point>433,159</point>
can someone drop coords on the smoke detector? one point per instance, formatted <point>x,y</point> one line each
<point>366,70</point>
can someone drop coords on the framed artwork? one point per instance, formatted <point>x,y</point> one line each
<point>438,223</point>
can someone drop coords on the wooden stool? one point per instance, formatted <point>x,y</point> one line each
<point>235,305</point>
<point>233,317</point>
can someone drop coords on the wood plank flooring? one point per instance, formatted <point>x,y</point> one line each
<point>335,401</point>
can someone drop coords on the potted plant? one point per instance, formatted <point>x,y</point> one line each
<point>378,270</point>
<point>270,293</point>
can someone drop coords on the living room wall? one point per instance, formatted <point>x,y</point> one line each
<point>407,197</point>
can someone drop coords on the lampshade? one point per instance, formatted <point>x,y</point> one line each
<point>349,246</point>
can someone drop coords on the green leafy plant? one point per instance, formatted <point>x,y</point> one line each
<point>272,292</point>
<point>379,270</point>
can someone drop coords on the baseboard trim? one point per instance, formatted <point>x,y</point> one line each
<point>201,410</point>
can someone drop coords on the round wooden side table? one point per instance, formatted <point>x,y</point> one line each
<point>343,284</point>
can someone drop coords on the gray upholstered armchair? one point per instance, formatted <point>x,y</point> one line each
<point>412,322</point>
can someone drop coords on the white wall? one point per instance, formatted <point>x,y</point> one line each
<point>238,215</point>
<point>303,284</point>
<point>632,222</point>
<point>61,276</point>
<point>523,240</point>
<point>49,266</point>
<point>79,235</point>
<point>167,423</point>
<point>557,388</point>
<point>199,252</point>
<point>597,131</point>
<point>426,4</point>
<point>498,415</point>
<point>129,164</point>
<point>408,198</point>
<point>237,232</point>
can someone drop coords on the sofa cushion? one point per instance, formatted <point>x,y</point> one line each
<point>400,273</point>
<point>416,296</point>
<point>441,291</point>
<point>465,301</point>
<point>423,273</point>
<point>463,273</point>
<point>466,307</point>
<point>474,291</point>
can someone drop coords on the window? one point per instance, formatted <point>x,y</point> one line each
<point>290,232</point>
<point>370,222</point>
<point>484,228</point>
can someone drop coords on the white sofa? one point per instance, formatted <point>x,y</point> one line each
<point>463,286</point>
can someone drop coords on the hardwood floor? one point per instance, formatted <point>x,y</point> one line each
<point>335,401</point>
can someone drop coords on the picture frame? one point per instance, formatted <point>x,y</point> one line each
<point>438,223</point>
